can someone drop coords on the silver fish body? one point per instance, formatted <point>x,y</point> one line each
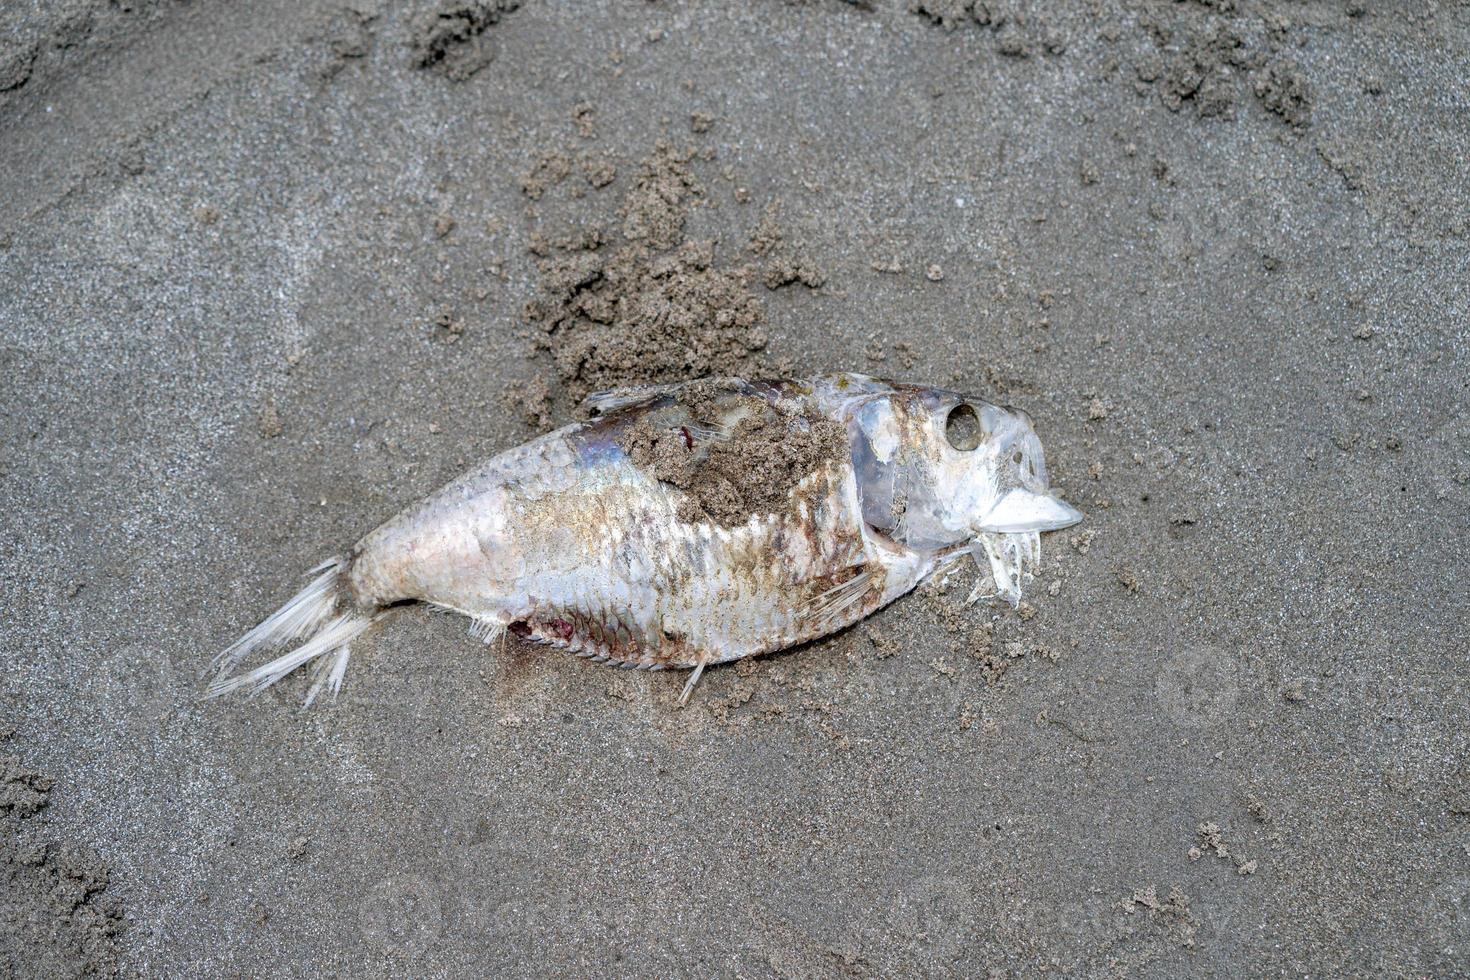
<point>616,537</point>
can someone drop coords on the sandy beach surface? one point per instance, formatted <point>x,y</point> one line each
<point>271,271</point>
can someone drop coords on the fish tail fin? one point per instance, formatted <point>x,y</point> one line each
<point>319,623</point>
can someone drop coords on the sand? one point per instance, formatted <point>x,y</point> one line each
<point>733,454</point>
<point>271,271</point>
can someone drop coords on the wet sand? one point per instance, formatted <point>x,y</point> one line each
<point>271,271</point>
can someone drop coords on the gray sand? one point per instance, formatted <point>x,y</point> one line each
<point>263,278</point>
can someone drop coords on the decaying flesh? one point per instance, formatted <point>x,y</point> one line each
<point>694,524</point>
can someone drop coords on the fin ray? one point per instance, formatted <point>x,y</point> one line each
<point>316,624</point>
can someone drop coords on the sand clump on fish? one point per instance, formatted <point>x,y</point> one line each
<point>771,448</point>
<point>685,525</point>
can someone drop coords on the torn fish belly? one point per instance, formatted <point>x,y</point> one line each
<point>687,525</point>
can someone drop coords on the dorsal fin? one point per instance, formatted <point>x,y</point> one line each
<point>603,402</point>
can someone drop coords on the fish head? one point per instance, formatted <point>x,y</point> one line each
<point>937,469</point>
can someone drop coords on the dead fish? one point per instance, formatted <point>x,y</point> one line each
<point>688,525</point>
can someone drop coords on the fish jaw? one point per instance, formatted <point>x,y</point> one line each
<point>1020,511</point>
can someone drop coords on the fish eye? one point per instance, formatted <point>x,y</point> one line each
<point>962,428</point>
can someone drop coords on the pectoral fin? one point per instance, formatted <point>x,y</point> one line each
<point>1023,510</point>
<point>831,604</point>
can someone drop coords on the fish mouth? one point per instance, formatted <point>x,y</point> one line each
<point>1008,539</point>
